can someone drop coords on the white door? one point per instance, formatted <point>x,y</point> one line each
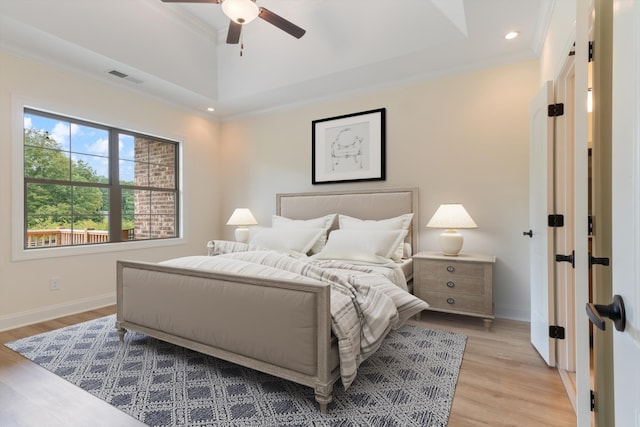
<point>564,186</point>
<point>540,205</point>
<point>626,207</point>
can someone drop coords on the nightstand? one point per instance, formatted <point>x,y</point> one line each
<point>460,284</point>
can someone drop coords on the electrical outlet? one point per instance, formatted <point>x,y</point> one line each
<point>54,283</point>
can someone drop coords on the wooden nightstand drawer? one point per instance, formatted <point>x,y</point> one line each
<point>455,285</point>
<point>447,269</point>
<point>457,302</point>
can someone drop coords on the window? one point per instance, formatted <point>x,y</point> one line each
<point>86,183</point>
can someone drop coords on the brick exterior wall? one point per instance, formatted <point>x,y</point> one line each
<point>155,211</point>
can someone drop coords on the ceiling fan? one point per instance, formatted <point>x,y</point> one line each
<point>242,12</point>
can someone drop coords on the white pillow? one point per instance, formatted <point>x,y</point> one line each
<point>286,239</point>
<point>401,222</point>
<point>324,222</point>
<point>374,246</point>
<point>407,252</point>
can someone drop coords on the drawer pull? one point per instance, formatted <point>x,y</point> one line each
<point>450,300</point>
<point>450,284</point>
<point>451,268</point>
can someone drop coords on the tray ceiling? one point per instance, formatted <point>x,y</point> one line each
<point>177,52</point>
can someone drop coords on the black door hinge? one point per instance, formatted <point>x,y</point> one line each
<point>593,400</point>
<point>556,332</point>
<point>567,258</point>
<point>590,51</point>
<point>555,110</point>
<point>556,220</point>
<point>599,261</point>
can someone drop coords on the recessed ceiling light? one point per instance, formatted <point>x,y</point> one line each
<point>511,35</point>
<point>211,109</point>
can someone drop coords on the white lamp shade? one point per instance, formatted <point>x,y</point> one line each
<point>451,216</point>
<point>242,216</point>
<point>240,11</point>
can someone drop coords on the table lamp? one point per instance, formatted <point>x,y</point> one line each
<point>242,217</point>
<point>451,216</point>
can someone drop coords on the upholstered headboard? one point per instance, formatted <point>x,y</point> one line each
<point>363,204</point>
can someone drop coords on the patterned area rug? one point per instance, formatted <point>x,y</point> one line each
<point>410,381</point>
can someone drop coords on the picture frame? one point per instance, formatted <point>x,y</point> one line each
<point>349,148</point>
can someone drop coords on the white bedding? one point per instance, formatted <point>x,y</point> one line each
<point>366,301</point>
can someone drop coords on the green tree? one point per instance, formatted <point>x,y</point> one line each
<point>59,204</point>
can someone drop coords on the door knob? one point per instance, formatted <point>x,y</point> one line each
<point>528,233</point>
<point>614,311</point>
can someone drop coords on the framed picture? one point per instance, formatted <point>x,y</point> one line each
<point>348,148</point>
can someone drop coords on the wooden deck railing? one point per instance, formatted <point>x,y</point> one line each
<point>68,237</point>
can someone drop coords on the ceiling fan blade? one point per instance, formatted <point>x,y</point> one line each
<point>280,22</point>
<point>191,1</point>
<point>233,36</point>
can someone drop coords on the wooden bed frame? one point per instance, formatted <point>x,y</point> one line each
<point>280,327</point>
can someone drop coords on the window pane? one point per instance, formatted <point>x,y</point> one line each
<point>163,226</point>
<point>162,176</point>
<point>87,229</point>
<point>163,202</point>
<point>89,140</point>
<point>37,238</point>
<point>54,130</point>
<point>48,206</point>
<point>45,163</point>
<point>163,211</point>
<point>162,153</point>
<point>128,233</point>
<point>154,214</point>
<point>141,149</point>
<point>126,171</point>
<point>142,202</point>
<point>141,174</point>
<point>126,148</point>
<point>86,168</point>
<point>128,218</point>
<point>128,203</point>
<point>89,204</point>
<point>142,232</point>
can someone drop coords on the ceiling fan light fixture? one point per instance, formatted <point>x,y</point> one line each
<point>240,11</point>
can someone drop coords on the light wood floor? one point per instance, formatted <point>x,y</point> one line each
<point>503,381</point>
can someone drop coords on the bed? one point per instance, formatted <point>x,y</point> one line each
<point>286,324</point>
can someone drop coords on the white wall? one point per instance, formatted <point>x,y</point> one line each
<point>463,138</point>
<point>88,281</point>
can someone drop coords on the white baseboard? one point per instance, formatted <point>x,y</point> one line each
<point>30,317</point>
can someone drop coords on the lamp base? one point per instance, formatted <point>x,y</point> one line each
<point>451,242</point>
<point>242,234</point>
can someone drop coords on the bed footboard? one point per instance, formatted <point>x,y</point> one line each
<point>280,327</point>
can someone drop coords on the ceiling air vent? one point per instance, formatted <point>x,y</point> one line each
<point>124,76</point>
<point>118,74</point>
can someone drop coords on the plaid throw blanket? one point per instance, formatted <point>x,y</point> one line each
<point>365,305</point>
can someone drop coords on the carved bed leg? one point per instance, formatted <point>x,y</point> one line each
<point>121,331</point>
<point>324,395</point>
